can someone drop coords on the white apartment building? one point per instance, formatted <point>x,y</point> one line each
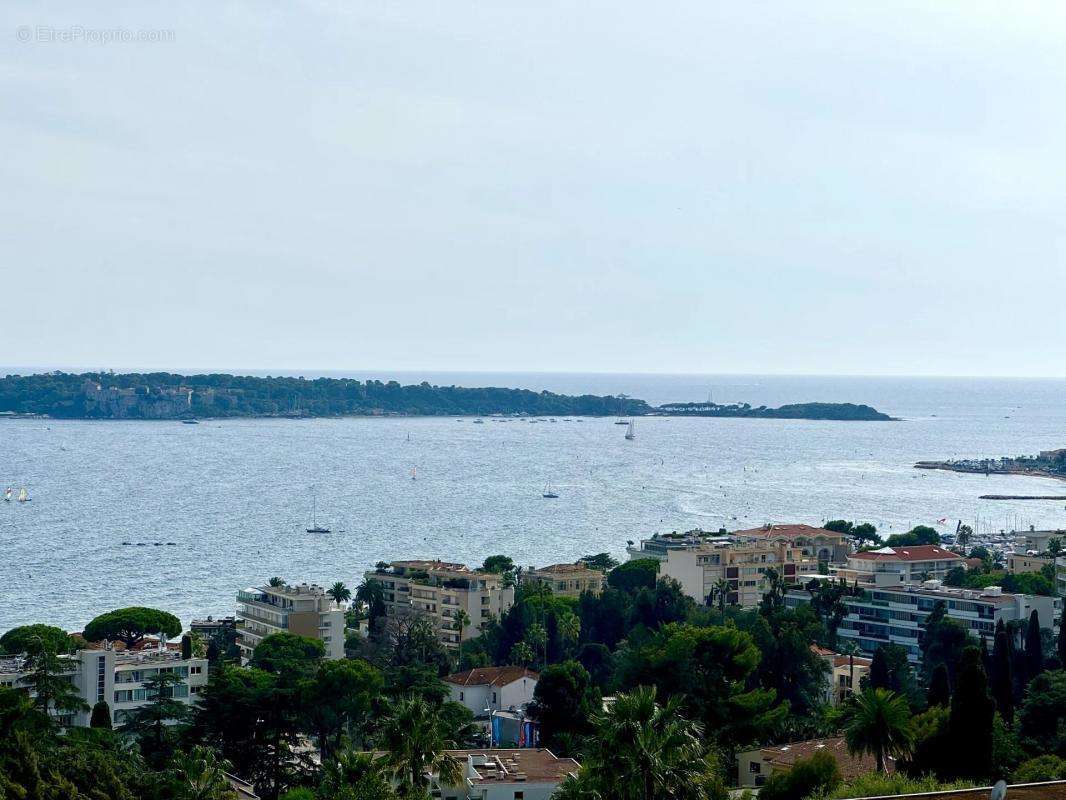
<point>495,774</point>
<point>440,590</point>
<point>117,676</point>
<point>885,615</point>
<point>304,610</point>
<point>895,566</point>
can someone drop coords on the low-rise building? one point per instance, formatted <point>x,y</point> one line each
<point>496,774</point>
<point>1030,553</point>
<point>844,674</point>
<point>117,677</point>
<point>660,544</point>
<point>487,689</point>
<point>211,627</point>
<point>754,767</point>
<point>304,610</point>
<point>895,566</point>
<point>440,590</point>
<point>897,615</point>
<point>567,580</point>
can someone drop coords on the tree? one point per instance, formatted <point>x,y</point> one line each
<point>563,703</point>
<point>152,722</point>
<point>354,776</point>
<point>1054,547</point>
<point>201,775</point>
<point>865,532</point>
<point>47,677</point>
<point>16,640</point>
<point>880,725</point>
<point>918,535</point>
<point>939,687</point>
<point>1041,715</point>
<point>462,619</point>
<point>839,526</point>
<point>287,652</point>
<point>774,598</point>
<point>719,594</point>
<point>414,740</point>
<point>1034,647</point>
<point>1061,646</point>
<point>372,594</point>
<point>601,561</point>
<point>1042,768</point>
<point>101,716</point>
<point>879,678</point>
<point>276,582</point>
<point>522,655</point>
<point>640,573</point>
<point>943,642</point>
<point>964,535</point>
<point>339,592</point>
<point>970,723</point>
<point>340,700</point>
<point>498,565</point>
<point>808,776</point>
<point>644,751</point>
<point>1003,677</point>
<point>131,625</point>
<point>568,625</point>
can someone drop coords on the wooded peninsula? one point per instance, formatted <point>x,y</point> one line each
<point>163,395</point>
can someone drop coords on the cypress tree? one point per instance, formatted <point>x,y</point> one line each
<point>186,647</point>
<point>879,677</point>
<point>939,687</point>
<point>1062,644</point>
<point>101,716</point>
<point>970,721</point>
<point>1003,678</point>
<point>986,659</point>
<point>1034,648</point>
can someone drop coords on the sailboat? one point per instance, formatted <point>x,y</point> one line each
<point>7,495</point>
<point>23,495</point>
<point>315,527</point>
<point>549,492</point>
<point>414,474</point>
<point>630,435</point>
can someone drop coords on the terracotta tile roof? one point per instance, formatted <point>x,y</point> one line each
<point>491,676</point>
<point>1052,790</point>
<point>921,552</point>
<point>787,531</point>
<point>565,568</point>
<point>786,755</point>
<point>535,765</point>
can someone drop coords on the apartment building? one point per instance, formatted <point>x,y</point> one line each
<point>1030,548</point>
<point>440,590</point>
<point>305,610</point>
<point>743,559</point>
<point>895,566</point>
<point>567,580</point>
<point>896,615</point>
<point>117,677</point>
<point>660,544</point>
<point>843,676</point>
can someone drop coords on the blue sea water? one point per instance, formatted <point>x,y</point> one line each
<point>233,495</point>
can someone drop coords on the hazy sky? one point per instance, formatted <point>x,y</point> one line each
<point>815,187</point>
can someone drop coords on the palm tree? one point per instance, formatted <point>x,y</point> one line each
<point>569,627</point>
<point>339,592</point>
<point>462,619</point>
<point>720,591</point>
<point>371,594</point>
<point>880,725</point>
<point>414,738</point>
<point>356,774</point>
<point>201,775</point>
<point>643,751</point>
<point>275,582</point>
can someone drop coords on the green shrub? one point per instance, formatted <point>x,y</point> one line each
<point>1042,768</point>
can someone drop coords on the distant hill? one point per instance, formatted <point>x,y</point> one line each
<point>163,395</point>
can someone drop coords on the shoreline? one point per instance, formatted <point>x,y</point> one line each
<point>947,466</point>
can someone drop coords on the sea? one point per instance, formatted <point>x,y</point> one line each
<point>181,517</point>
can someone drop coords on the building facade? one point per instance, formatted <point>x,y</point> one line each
<point>739,562</point>
<point>117,677</point>
<point>440,590</point>
<point>496,774</point>
<point>895,566</point>
<point>567,580</point>
<point>897,615</point>
<point>844,674</point>
<point>487,689</point>
<point>304,610</point>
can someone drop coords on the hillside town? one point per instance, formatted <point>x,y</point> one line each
<point>785,661</point>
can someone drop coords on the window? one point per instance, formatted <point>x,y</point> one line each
<point>196,670</point>
<point>754,767</point>
<point>494,697</point>
<point>124,696</point>
<point>519,795</point>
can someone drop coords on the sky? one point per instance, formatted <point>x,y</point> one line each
<point>691,187</point>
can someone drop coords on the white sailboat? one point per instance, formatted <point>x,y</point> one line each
<point>24,496</point>
<point>549,492</point>
<point>630,434</point>
<point>315,527</point>
<point>414,473</point>
<point>7,495</point>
